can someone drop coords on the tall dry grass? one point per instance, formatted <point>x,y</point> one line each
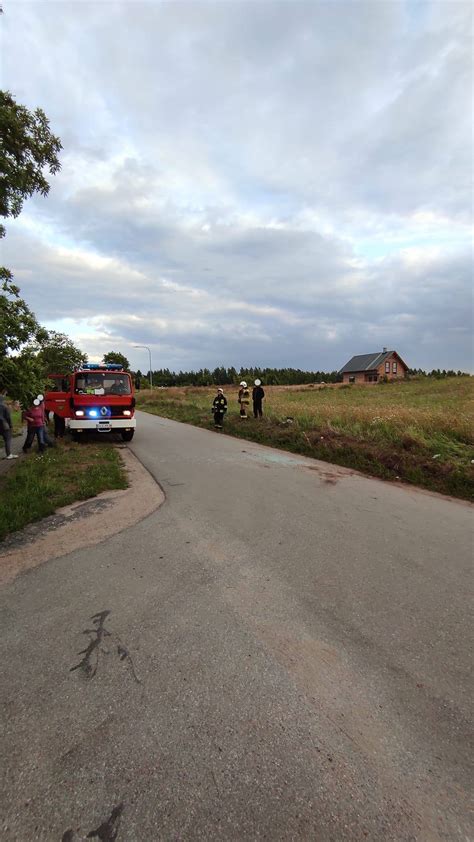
<point>425,409</point>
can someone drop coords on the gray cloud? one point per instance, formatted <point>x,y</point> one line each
<point>274,183</point>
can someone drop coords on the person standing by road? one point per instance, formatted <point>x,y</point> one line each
<point>59,426</point>
<point>37,425</point>
<point>219,408</point>
<point>6,427</point>
<point>257,397</point>
<point>34,417</point>
<point>46,437</point>
<point>243,399</point>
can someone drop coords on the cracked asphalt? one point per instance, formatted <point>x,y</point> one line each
<point>281,651</point>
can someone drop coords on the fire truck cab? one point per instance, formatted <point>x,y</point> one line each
<point>95,398</point>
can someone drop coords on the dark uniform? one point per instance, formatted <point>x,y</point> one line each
<point>219,409</point>
<point>59,426</point>
<point>257,397</point>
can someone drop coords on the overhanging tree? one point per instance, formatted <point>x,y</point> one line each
<point>28,149</point>
<point>20,334</point>
<point>58,354</point>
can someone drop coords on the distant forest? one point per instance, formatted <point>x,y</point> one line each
<point>222,376</point>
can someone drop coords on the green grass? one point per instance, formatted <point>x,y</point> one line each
<point>16,421</point>
<point>36,486</point>
<point>420,431</point>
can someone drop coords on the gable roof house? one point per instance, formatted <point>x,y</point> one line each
<point>370,368</point>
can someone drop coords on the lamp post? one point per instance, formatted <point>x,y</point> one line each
<point>149,354</point>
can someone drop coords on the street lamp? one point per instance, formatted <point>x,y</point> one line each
<point>149,354</point>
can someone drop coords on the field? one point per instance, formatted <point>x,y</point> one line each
<point>419,431</point>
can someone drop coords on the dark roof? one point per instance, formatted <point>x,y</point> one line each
<point>365,362</point>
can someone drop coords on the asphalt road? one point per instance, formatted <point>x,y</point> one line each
<point>286,655</point>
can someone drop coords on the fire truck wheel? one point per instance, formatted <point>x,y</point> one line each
<point>127,435</point>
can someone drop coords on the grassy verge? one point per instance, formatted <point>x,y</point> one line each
<point>17,422</point>
<point>419,431</point>
<point>36,487</point>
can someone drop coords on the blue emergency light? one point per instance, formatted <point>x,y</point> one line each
<point>101,367</point>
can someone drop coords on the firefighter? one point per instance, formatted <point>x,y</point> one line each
<point>59,426</point>
<point>243,399</point>
<point>219,408</point>
<point>257,397</point>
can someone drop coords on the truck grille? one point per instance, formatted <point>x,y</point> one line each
<point>115,411</point>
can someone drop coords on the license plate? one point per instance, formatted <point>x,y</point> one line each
<point>104,426</point>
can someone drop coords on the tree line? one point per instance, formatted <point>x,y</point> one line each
<point>222,376</point>
<point>437,373</point>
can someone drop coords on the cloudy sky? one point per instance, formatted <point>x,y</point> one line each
<point>268,183</point>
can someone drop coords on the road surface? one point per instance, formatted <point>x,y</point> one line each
<point>280,652</point>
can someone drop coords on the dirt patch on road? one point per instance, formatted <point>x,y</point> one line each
<point>64,531</point>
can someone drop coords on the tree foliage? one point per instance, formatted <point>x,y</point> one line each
<point>28,148</point>
<point>436,373</point>
<point>20,335</point>
<point>59,355</point>
<point>222,376</point>
<point>117,357</point>
<point>18,324</point>
<point>21,376</point>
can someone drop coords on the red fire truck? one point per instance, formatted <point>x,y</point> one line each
<point>94,398</point>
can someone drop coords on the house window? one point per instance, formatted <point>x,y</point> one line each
<point>387,368</point>
<point>352,378</point>
<point>394,368</point>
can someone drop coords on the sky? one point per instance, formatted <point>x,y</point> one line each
<point>249,183</point>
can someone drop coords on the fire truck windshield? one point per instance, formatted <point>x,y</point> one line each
<point>102,383</point>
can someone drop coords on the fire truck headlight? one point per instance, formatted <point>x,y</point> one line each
<point>127,412</point>
<point>79,412</point>
<point>93,413</point>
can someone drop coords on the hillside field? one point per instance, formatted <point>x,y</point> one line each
<point>420,431</point>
